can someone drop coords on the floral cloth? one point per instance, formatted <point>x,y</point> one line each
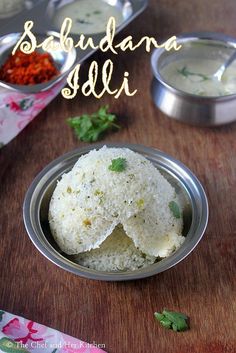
<point>18,109</point>
<point>21,335</point>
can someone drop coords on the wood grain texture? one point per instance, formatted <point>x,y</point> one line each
<point>120,315</point>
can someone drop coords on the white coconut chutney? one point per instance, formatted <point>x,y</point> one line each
<point>195,76</point>
<point>88,16</point>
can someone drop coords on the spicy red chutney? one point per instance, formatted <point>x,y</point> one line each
<point>28,69</point>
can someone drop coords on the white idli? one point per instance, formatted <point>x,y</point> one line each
<point>91,200</point>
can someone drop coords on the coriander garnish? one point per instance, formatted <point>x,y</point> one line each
<point>91,127</point>
<point>173,320</point>
<point>118,165</point>
<point>83,22</point>
<point>186,73</point>
<point>174,207</point>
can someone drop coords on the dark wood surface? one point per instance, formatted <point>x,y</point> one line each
<point>120,315</point>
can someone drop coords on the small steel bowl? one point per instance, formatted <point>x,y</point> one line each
<point>36,204</point>
<point>186,107</point>
<point>63,61</point>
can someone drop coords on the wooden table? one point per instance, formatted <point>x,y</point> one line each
<point>120,315</point>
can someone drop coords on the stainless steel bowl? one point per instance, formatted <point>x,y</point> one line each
<point>36,204</point>
<point>190,108</point>
<point>63,61</point>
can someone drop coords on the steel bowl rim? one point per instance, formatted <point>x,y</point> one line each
<point>187,37</point>
<point>55,257</point>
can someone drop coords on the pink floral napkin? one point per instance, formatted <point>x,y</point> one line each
<point>18,109</point>
<point>21,335</point>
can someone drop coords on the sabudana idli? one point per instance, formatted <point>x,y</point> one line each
<point>108,190</point>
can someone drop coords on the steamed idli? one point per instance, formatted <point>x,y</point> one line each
<point>111,189</point>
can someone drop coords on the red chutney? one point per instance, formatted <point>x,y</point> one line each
<point>28,69</point>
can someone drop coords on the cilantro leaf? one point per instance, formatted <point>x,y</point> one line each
<point>174,207</point>
<point>164,322</point>
<point>91,127</point>
<point>186,73</point>
<point>118,165</point>
<point>173,320</point>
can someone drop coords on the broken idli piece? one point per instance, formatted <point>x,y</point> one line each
<point>157,230</point>
<point>116,253</point>
<point>74,226</point>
